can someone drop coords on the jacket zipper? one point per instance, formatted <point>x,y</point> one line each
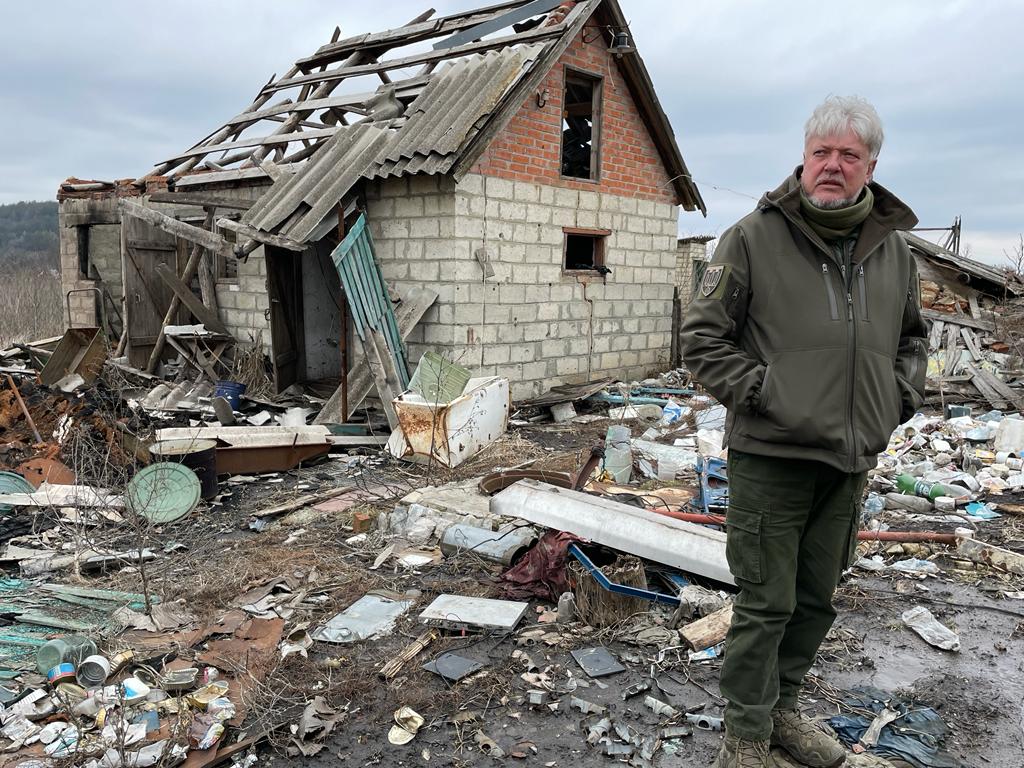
<point>862,289</point>
<point>833,305</point>
<point>851,380</point>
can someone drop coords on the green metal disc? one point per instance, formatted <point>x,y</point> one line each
<point>163,492</point>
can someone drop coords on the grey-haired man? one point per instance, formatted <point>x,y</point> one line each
<point>807,326</point>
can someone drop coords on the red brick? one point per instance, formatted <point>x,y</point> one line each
<point>528,149</point>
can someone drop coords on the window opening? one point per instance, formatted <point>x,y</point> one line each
<point>579,126</point>
<point>585,251</point>
<point>83,250</point>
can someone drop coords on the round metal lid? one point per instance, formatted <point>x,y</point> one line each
<point>163,492</point>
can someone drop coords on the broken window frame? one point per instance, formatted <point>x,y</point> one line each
<point>596,82</point>
<point>600,238</point>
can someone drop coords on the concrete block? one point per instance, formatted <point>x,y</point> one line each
<point>409,207</point>
<point>547,195</point>
<point>472,183</point>
<point>500,188</point>
<point>469,314</point>
<point>524,273</point>
<point>588,200</point>
<point>567,198</point>
<point>568,365</point>
<point>497,354</point>
<point>492,208</point>
<point>394,229</point>
<point>525,313</point>
<point>535,331</point>
<point>511,293</point>
<point>527,192</point>
<point>423,184</point>
<point>424,228</point>
<point>394,187</point>
<point>513,211</point>
<point>539,214</point>
<point>498,313</point>
<point>469,227</point>
<point>645,208</point>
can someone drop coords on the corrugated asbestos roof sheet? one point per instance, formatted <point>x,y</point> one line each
<point>436,126</point>
<point>450,109</point>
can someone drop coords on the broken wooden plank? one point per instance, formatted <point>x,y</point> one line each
<point>970,322</point>
<point>206,200</point>
<point>989,554</point>
<point>262,237</point>
<point>174,227</point>
<point>971,343</point>
<point>990,384</point>
<point>708,631</point>
<point>952,350</point>
<point>256,141</point>
<point>935,335</point>
<point>480,46</point>
<point>408,315</point>
<point>201,312</point>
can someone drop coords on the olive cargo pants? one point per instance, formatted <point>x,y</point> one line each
<point>791,531</point>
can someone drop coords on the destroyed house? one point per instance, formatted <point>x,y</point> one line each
<point>499,186</point>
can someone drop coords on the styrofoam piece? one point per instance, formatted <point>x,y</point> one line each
<point>687,546</point>
<point>458,611</point>
<point>453,431</point>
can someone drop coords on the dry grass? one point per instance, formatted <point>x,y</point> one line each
<point>33,306</point>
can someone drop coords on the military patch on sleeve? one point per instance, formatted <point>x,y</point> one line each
<point>713,278</point>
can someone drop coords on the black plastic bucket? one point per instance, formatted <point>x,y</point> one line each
<point>198,455</point>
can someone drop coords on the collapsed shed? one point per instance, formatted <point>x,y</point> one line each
<point>513,177</point>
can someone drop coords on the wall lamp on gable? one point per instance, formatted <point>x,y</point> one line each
<point>619,38</point>
<point>542,98</point>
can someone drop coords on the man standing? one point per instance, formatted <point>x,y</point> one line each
<point>807,327</point>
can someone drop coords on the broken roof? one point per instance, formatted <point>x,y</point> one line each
<point>983,277</point>
<point>407,108</point>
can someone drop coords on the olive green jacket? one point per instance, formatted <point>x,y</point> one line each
<point>812,358</point>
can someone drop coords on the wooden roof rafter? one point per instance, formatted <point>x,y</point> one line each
<point>292,119</point>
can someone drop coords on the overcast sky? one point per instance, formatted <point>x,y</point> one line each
<point>107,89</point>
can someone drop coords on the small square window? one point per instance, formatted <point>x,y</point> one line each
<point>585,250</point>
<point>581,122</point>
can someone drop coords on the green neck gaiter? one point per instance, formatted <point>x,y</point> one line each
<point>835,224</point>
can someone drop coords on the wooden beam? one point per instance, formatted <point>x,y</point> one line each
<point>207,200</point>
<point>258,141</point>
<point>172,226</point>
<point>413,32</point>
<point>970,322</point>
<point>480,46</point>
<point>202,313</point>
<point>994,388</point>
<point>408,88</point>
<point>263,237</point>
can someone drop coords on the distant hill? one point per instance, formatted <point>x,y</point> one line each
<point>28,235</point>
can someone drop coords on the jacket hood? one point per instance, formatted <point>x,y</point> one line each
<point>889,212</point>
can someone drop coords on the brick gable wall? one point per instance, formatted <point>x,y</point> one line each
<point>529,147</point>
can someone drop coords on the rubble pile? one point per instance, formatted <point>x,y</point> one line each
<point>557,575</point>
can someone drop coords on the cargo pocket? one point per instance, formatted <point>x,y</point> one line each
<point>743,543</point>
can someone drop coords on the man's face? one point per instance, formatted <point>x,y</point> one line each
<point>836,168</point>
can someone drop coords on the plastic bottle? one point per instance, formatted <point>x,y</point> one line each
<point>873,505</point>
<point>910,484</point>
<point>71,649</point>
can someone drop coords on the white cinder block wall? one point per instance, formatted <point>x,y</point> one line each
<point>529,321</point>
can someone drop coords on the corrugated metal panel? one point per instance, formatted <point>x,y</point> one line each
<point>367,293</point>
<point>347,156</point>
<point>452,107</point>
